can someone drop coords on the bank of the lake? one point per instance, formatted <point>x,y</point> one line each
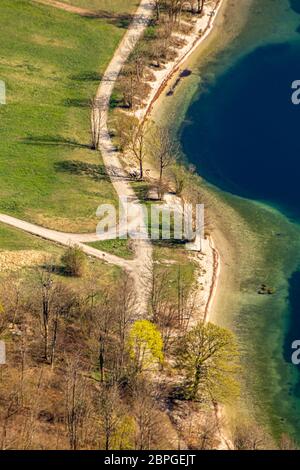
<point>234,127</point>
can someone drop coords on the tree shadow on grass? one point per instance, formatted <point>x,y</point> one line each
<point>55,140</point>
<point>120,20</point>
<point>142,190</point>
<point>57,269</point>
<point>88,76</point>
<point>170,243</point>
<point>76,167</point>
<point>77,102</point>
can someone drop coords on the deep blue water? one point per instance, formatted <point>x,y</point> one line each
<point>293,329</point>
<point>243,134</point>
<point>248,130</point>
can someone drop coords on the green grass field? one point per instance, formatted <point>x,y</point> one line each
<point>114,6</point>
<point>122,248</point>
<point>12,239</point>
<point>51,62</point>
<point>174,262</point>
<point>15,240</point>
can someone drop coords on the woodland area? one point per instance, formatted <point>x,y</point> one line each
<point>83,373</point>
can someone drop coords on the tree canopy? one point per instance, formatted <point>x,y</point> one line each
<point>145,345</point>
<point>207,356</point>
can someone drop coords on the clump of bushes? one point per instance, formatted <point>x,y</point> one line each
<point>74,261</point>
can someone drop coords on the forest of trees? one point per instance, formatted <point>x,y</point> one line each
<point>83,372</point>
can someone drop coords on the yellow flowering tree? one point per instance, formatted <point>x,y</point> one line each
<point>145,345</point>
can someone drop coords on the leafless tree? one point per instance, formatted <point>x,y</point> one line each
<point>250,436</point>
<point>97,112</point>
<point>147,415</point>
<point>287,443</point>
<point>127,85</point>
<point>76,402</point>
<point>164,149</point>
<point>30,421</point>
<point>207,434</point>
<point>125,302</point>
<point>64,303</point>
<point>137,143</point>
<point>158,5</point>
<point>110,412</point>
<point>138,59</point>
<point>172,313</point>
<point>46,293</point>
<point>11,409</point>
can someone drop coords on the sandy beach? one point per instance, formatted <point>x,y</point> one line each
<point>217,266</point>
<point>210,261</point>
<point>217,262</point>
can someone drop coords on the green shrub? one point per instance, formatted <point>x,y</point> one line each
<point>74,261</point>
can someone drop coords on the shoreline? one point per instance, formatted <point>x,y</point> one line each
<point>218,263</point>
<point>220,249</point>
<point>194,40</point>
<point>162,80</point>
<point>210,259</point>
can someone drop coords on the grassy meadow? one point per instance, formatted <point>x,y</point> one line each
<point>51,62</point>
<point>19,242</point>
<point>112,6</point>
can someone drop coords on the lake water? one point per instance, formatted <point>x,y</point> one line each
<point>242,132</point>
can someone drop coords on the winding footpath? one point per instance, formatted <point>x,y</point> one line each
<point>140,267</point>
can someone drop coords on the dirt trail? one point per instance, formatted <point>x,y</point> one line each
<point>140,267</point>
<point>110,155</point>
<point>67,239</point>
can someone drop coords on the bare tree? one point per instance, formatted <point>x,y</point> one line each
<point>200,4</point>
<point>63,303</point>
<point>171,312</point>
<point>146,414</point>
<point>30,422</point>
<point>207,434</point>
<point>127,85</point>
<point>11,409</point>
<point>75,402</point>
<point>110,410</point>
<point>158,5</point>
<point>137,143</point>
<point>287,443</point>
<point>97,112</point>
<point>250,436</point>
<point>125,302</point>
<point>165,151</point>
<point>138,59</point>
<point>46,289</point>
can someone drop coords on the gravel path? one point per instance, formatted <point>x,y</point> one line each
<point>141,266</point>
<point>143,249</point>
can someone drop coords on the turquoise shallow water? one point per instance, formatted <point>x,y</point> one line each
<point>239,127</point>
